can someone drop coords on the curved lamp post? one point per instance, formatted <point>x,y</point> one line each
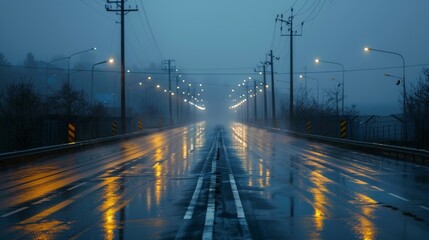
<point>404,95</point>
<point>92,75</point>
<point>317,60</point>
<point>68,61</point>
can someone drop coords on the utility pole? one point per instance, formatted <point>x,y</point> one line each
<point>273,98</point>
<point>247,101</point>
<point>265,91</point>
<point>120,9</point>
<point>292,33</point>
<point>254,100</point>
<point>177,98</point>
<point>170,106</point>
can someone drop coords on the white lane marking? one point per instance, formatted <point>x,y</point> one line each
<point>396,196</point>
<point>211,206</point>
<point>425,208</point>
<point>40,201</point>
<point>377,188</point>
<point>13,212</point>
<point>194,199</point>
<point>76,186</point>
<point>238,205</point>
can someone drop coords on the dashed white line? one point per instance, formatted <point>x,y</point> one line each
<point>13,212</point>
<point>396,196</point>
<point>81,184</point>
<point>425,208</point>
<point>238,205</point>
<point>211,206</point>
<point>377,188</point>
<point>40,201</point>
<point>194,199</point>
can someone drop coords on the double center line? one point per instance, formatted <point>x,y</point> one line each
<point>214,156</point>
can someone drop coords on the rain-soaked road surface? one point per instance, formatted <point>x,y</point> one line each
<point>215,182</point>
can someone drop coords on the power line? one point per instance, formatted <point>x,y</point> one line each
<point>308,19</point>
<point>250,73</point>
<point>151,31</point>
<point>140,43</point>
<point>95,10</point>
<point>293,5</point>
<point>298,13</point>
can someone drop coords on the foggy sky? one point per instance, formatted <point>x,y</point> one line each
<point>204,36</point>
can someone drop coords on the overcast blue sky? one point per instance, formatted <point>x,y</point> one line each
<point>234,36</point>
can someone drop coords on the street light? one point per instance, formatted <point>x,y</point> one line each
<point>68,61</point>
<point>368,49</point>
<point>318,61</point>
<point>111,60</point>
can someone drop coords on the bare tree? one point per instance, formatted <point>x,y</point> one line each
<point>417,107</point>
<point>21,107</point>
<point>68,102</point>
<point>333,97</point>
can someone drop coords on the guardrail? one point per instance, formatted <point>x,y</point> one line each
<point>419,156</point>
<point>36,153</point>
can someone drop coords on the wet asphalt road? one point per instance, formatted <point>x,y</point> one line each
<point>213,182</point>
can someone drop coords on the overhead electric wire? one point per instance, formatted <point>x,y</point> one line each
<point>228,73</point>
<point>95,10</point>
<point>273,37</point>
<point>297,13</point>
<point>308,19</point>
<point>142,46</point>
<point>151,31</point>
<point>293,4</point>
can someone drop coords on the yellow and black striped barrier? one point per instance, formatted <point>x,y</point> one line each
<point>71,132</point>
<point>309,127</point>
<point>114,128</point>
<point>343,129</point>
<point>140,124</point>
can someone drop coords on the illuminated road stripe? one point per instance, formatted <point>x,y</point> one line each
<point>76,186</point>
<point>41,200</point>
<point>377,188</point>
<point>64,204</point>
<point>238,205</point>
<point>211,206</point>
<point>396,196</point>
<point>194,199</point>
<point>425,208</point>
<point>13,212</point>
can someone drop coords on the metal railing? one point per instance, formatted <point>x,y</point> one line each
<point>36,153</point>
<point>419,156</point>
